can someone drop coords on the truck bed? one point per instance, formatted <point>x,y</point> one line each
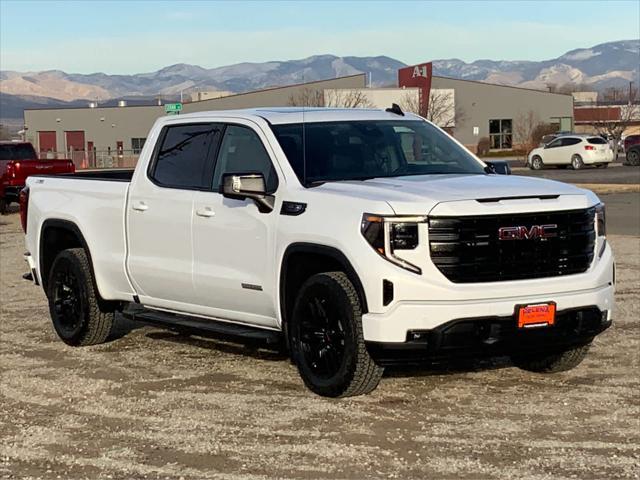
<point>109,175</point>
<point>96,208</point>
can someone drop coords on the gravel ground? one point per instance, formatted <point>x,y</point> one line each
<point>152,404</point>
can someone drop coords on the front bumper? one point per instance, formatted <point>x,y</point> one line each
<point>493,336</point>
<point>394,325</point>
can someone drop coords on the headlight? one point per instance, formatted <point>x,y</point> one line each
<point>389,234</point>
<point>601,224</point>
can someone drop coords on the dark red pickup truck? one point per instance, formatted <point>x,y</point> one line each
<point>18,160</point>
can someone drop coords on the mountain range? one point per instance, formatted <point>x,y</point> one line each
<point>598,67</point>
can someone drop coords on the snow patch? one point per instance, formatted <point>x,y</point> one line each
<point>581,55</point>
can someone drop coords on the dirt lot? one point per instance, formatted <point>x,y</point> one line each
<point>152,404</point>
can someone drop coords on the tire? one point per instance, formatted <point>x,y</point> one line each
<point>576,162</point>
<point>4,206</point>
<point>633,157</point>
<point>536,163</point>
<point>79,316</point>
<point>552,362</point>
<point>326,338</point>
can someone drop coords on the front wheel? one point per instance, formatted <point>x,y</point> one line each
<point>633,157</point>
<point>326,339</point>
<point>552,362</point>
<point>576,162</point>
<point>536,163</point>
<point>79,317</point>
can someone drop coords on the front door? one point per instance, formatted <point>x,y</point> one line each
<point>553,152</point>
<point>160,212</point>
<point>234,269</point>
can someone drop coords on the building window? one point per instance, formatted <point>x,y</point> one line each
<point>500,134</point>
<point>137,144</point>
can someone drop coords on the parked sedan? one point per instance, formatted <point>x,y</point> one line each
<point>574,150</point>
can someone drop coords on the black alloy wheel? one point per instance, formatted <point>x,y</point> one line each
<point>326,339</point>
<point>80,317</point>
<point>67,305</point>
<point>322,341</point>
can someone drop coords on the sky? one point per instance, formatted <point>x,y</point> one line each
<point>124,37</point>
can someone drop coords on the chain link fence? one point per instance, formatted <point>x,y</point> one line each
<point>84,160</point>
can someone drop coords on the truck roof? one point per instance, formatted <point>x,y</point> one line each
<point>284,115</point>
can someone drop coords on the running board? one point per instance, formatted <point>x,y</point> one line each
<point>204,328</point>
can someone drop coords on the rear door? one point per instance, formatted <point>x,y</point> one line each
<point>570,146</point>
<point>160,212</point>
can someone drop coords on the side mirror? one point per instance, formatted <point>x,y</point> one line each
<point>498,167</point>
<point>241,186</point>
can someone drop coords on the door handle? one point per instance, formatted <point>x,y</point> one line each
<point>205,212</point>
<point>141,207</point>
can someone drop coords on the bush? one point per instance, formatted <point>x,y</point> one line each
<point>540,131</point>
<point>483,146</point>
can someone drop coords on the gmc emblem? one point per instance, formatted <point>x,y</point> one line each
<point>532,233</point>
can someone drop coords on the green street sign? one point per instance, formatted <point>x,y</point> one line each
<point>173,108</point>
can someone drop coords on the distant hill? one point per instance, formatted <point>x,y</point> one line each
<point>599,67</point>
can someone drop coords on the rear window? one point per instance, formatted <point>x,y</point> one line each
<point>18,151</point>
<point>184,157</point>
<point>566,142</point>
<point>597,141</point>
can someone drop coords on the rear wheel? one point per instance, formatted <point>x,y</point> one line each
<point>576,162</point>
<point>536,163</point>
<point>326,338</point>
<point>553,362</point>
<point>79,317</point>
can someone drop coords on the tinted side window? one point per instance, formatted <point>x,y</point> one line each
<point>183,158</point>
<point>597,141</point>
<point>566,142</point>
<point>556,143</point>
<point>242,151</point>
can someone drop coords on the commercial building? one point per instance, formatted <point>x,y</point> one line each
<point>469,110</point>
<point>114,136</point>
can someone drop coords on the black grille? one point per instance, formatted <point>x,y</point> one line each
<point>467,249</point>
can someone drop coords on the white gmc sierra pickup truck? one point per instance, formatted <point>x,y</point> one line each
<point>358,238</point>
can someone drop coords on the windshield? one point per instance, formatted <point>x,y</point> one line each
<point>358,150</point>
<point>17,151</point>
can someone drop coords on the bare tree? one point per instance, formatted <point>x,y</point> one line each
<point>347,99</point>
<point>612,121</point>
<point>308,97</point>
<point>524,128</point>
<point>441,109</point>
<point>618,95</point>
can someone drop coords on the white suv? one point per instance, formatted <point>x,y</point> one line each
<point>574,150</point>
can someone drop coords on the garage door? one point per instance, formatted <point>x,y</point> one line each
<point>47,142</point>
<point>75,147</point>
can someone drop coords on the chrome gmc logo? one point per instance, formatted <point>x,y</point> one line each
<point>532,233</point>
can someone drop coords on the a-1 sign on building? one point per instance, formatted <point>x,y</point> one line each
<point>172,108</point>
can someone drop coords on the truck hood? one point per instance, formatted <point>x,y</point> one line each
<point>421,194</point>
